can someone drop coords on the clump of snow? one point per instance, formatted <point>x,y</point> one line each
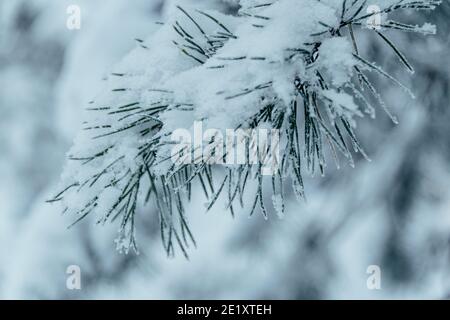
<point>336,57</point>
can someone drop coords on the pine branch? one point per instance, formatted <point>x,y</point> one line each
<point>322,103</point>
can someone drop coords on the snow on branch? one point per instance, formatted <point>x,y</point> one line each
<point>290,66</point>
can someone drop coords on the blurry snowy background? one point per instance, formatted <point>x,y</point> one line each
<point>393,212</point>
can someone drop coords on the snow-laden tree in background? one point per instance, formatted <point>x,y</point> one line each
<point>41,63</point>
<point>293,66</point>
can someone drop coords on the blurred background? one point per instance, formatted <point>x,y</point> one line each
<point>393,212</point>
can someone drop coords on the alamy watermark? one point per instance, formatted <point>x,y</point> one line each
<point>227,147</point>
<point>375,19</point>
<point>73,21</point>
<point>73,281</point>
<point>374,279</point>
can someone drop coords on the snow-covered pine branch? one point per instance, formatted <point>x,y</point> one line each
<point>291,65</point>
